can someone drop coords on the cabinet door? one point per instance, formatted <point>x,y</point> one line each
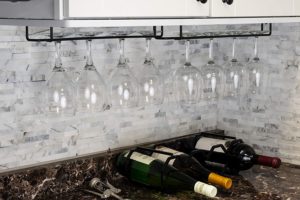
<point>33,9</point>
<point>195,8</point>
<point>297,7</point>
<point>252,8</point>
<point>134,8</point>
<point>246,8</point>
<point>220,9</point>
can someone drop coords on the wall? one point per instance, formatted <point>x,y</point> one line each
<point>270,121</point>
<point>28,137</point>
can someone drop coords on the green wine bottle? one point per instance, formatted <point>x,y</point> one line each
<point>146,170</point>
<point>192,167</point>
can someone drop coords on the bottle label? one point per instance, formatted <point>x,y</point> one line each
<point>164,157</point>
<point>140,158</point>
<point>206,143</point>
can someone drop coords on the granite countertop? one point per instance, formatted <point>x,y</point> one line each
<point>64,181</point>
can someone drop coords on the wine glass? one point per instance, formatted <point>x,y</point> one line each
<point>60,92</point>
<point>233,75</point>
<point>124,87</point>
<point>188,80</point>
<point>212,77</point>
<point>91,89</point>
<point>255,72</point>
<point>151,83</point>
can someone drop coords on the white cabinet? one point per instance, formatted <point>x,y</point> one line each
<point>297,7</point>
<point>134,8</point>
<point>195,8</point>
<point>33,9</point>
<point>220,9</point>
<point>252,8</point>
<point>263,8</point>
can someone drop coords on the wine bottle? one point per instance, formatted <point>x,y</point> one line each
<point>191,167</point>
<point>239,156</point>
<point>148,171</point>
<point>245,153</point>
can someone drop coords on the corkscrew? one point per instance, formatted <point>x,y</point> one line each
<point>106,189</point>
<point>99,185</point>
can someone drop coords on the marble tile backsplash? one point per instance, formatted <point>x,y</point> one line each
<point>269,121</point>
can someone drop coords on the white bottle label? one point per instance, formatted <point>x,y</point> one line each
<point>207,143</point>
<point>140,158</point>
<point>164,157</point>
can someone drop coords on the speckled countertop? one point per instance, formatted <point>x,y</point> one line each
<point>64,181</point>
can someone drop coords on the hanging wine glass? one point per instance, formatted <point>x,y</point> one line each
<point>233,75</point>
<point>60,93</point>
<point>212,77</point>
<point>255,72</point>
<point>188,80</point>
<point>91,89</point>
<point>124,86</point>
<point>152,86</point>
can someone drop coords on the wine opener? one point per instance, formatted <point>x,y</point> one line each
<point>97,184</point>
<point>107,189</point>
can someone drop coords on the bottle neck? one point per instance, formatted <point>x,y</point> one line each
<point>220,180</point>
<point>205,189</point>
<point>267,161</point>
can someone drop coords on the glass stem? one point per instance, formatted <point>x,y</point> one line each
<point>256,48</point>
<point>89,59</point>
<point>148,51</point>
<point>187,52</point>
<point>122,50</point>
<point>211,50</point>
<point>58,62</point>
<point>233,49</point>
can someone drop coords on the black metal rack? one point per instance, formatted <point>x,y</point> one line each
<point>160,35</point>
<point>52,38</point>
<point>209,35</point>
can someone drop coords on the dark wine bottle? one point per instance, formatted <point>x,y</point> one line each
<point>237,156</point>
<point>245,154</point>
<point>148,171</point>
<point>192,167</point>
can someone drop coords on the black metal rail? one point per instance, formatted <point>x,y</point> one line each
<point>159,35</point>
<point>229,34</point>
<point>52,38</point>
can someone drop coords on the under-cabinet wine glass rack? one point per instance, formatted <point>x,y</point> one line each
<point>159,34</point>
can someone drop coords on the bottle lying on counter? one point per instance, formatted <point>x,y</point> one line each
<point>230,156</point>
<point>151,172</point>
<point>189,166</point>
